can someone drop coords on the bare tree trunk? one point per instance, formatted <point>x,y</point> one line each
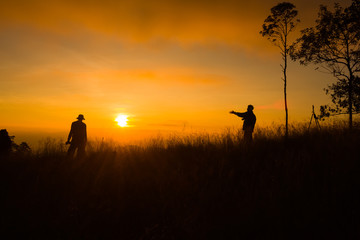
<point>350,100</point>
<point>350,90</point>
<point>285,99</point>
<point>285,85</point>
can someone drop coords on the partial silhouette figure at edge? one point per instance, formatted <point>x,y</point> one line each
<point>5,143</point>
<point>77,138</point>
<point>249,119</point>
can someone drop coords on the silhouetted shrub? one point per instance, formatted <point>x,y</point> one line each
<point>205,186</point>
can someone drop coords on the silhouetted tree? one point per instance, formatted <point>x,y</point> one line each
<point>277,27</point>
<point>334,44</point>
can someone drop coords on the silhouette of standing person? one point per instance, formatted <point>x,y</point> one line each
<point>249,119</point>
<point>78,137</point>
<point>5,143</point>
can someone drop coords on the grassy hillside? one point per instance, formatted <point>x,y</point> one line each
<point>199,186</point>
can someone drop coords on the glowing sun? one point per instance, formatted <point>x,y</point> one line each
<point>122,120</point>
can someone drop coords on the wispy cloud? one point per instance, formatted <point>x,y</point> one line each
<point>231,21</point>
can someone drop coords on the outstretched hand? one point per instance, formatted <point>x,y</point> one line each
<point>232,112</point>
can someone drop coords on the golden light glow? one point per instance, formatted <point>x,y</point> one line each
<point>122,120</point>
<point>138,69</point>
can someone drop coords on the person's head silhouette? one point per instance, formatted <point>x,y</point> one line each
<point>80,117</point>
<point>250,108</point>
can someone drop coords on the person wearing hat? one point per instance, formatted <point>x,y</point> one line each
<point>77,137</point>
<point>249,119</point>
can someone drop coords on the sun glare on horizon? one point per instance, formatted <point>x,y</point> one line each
<point>122,120</point>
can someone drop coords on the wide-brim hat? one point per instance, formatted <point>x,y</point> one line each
<point>80,117</point>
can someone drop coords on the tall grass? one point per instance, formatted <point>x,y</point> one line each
<point>199,186</point>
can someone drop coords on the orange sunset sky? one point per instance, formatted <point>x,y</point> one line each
<point>170,65</point>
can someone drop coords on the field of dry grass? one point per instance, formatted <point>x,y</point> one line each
<point>200,186</point>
